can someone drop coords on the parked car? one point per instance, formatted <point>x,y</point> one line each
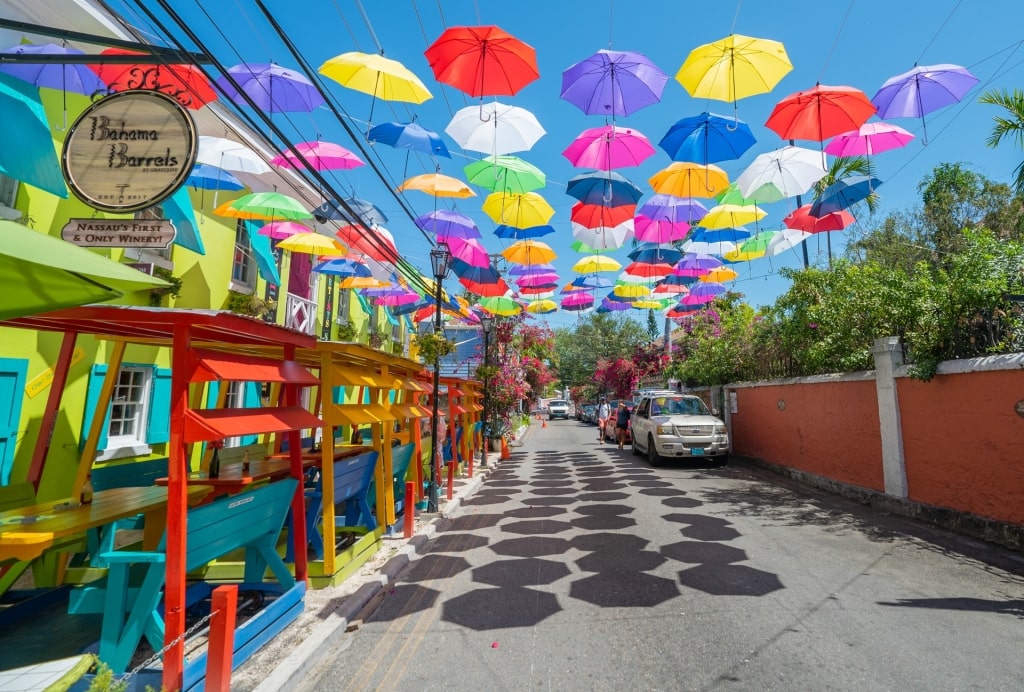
<point>558,408</point>
<point>590,414</point>
<point>676,426</point>
<point>609,431</point>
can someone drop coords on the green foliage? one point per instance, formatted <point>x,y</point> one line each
<point>433,346</point>
<point>717,345</point>
<point>103,680</point>
<point>347,332</point>
<point>653,330</point>
<point>598,337</point>
<point>1009,125</point>
<point>156,295</point>
<point>250,304</point>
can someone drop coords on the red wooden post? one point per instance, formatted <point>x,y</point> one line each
<point>410,508</point>
<point>60,377</point>
<point>451,478</point>
<point>222,638</point>
<point>290,394</point>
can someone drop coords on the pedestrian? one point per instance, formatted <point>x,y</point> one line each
<point>621,423</point>
<point>604,412</point>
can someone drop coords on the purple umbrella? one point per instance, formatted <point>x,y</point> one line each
<point>673,209</point>
<point>696,264</point>
<point>537,280</point>
<point>613,82</point>
<point>922,90</point>
<point>527,269</point>
<point>613,305</point>
<point>272,88</point>
<point>450,224</point>
<point>78,79</point>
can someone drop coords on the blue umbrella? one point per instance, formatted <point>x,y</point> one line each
<point>332,210</point>
<point>843,194</point>
<point>207,177</point>
<point>707,235</point>
<point>606,188</point>
<point>343,268</point>
<point>525,269</point>
<point>707,138</point>
<point>78,79</point>
<point>28,155</point>
<point>592,281</point>
<point>480,275</point>
<point>409,136</point>
<point>674,280</point>
<point>653,253</point>
<point>513,233</point>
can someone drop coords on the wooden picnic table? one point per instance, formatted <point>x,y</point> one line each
<point>26,532</point>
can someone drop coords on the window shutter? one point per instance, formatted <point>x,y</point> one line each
<point>158,429</point>
<point>13,372</point>
<point>92,397</point>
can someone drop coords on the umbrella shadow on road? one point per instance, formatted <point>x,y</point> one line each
<point>1013,607</point>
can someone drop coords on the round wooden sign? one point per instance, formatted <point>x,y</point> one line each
<point>129,151</point>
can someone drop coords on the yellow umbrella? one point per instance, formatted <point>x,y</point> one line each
<point>733,68</point>
<point>631,291</point>
<point>596,263</point>
<point>361,282</point>
<point>719,275</point>
<point>731,216</point>
<point>518,210</point>
<point>528,252</point>
<point>313,244</point>
<point>651,304</point>
<point>542,306</point>
<point>438,185</point>
<point>684,179</point>
<point>376,75</point>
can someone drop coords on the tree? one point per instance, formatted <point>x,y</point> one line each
<point>653,331</point>
<point>597,337</point>
<point>1008,126</point>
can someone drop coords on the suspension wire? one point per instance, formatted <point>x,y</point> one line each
<point>939,31</point>
<point>835,42</point>
<point>366,20</point>
<point>736,16</point>
<point>347,26</point>
<point>611,21</point>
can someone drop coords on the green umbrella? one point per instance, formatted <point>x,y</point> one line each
<point>40,273</point>
<point>500,305</point>
<point>505,174</point>
<point>264,206</point>
<point>28,153</point>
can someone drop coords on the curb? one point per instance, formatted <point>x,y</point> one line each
<point>304,658</point>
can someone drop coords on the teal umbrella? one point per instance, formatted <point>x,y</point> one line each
<point>28,153</point>
<point>40,273</point>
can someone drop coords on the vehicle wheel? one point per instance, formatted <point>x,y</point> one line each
<point>652,452</point>
<point>636,450</point>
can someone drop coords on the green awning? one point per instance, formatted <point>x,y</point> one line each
<point>40,273</point>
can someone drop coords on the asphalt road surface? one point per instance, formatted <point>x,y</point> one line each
<point>576,566</point>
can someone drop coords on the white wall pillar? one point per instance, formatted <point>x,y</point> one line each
<point>888,355</point>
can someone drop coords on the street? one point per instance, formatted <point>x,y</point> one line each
<point>576,566</point>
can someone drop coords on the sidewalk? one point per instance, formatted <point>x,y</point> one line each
<point>329,613</point>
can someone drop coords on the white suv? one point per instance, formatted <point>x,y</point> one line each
<point>677,426</point>
<point>558,408</point>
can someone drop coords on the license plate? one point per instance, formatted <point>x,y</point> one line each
<point>697,451</point>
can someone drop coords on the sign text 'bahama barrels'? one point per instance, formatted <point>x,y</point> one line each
<point>129,151</point>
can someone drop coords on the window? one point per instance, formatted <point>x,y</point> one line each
<point>243,270</point>
<point>8,197</point>
<point>129,407</point>
<point>344,300</point>
<point>234,399</point>
<point>154,214</point>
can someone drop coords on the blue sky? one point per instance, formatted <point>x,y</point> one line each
<point>857,44</point>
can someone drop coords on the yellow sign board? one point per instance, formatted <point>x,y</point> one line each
<point>40,382</point>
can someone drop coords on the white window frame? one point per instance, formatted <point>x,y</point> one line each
<point>242,260</point>
<point>234,399</point>
<point>158,257</point>
<point>134,444</point>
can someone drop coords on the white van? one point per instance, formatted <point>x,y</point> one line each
<point>672,425</point>
<point>558,408</point>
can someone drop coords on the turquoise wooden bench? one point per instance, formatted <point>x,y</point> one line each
<point>134,474</point>
<point>129,597</point>
<point>401,458</point>
<point>352,479</point>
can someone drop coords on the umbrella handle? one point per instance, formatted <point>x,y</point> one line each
<point>482,118</point>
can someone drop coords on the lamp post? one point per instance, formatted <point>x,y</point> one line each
<point>440,258</point>
<point>487,326</point>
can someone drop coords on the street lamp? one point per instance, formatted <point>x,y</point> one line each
<point>440,258</point>
<point>487,326</point>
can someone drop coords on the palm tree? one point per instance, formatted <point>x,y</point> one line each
<point>1009,125</point>
<point>843,167</point>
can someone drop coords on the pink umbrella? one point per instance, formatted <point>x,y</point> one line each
<point>279,230</point>
<point>659,230</point>
<point>537,280</point>
<point>868,139</point>
<point>323,156</point>
<point>470,251</point>
<point>608,147</point>
<point>577,300</point>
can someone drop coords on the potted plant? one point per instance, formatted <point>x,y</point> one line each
<point>432,347</point>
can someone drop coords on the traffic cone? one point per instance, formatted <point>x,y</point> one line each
<point>544,424</point>
<point>505,454</point>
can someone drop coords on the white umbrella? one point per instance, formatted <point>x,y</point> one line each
<point>604,237</point>
<point>495,128</point>
<point>718,248</point>
<point>786,239</point>
<point>230,155</point>
<point>791,170</point>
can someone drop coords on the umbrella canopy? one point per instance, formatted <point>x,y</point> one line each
<point>613,305</point>
<point>529,252</point>
<point>596,263</point>
<point>577,299</point>
<point>266,206</point>
<point>707,138</point>
<point>495,128</point>
<point>786,239</point>
<point>207,177</point>
<point>802,220</point>
<point>673,209</point>
<point>649,269</point>
<point>376,75</point>
<point>547,281</point>
<point>40,273</point>
<point>345,267</point>
<point>731,216</point>
<point>720,248</point>
<point>180,81</point>
<point>598,215</point>
<point>280,230</point>
<point>608,147</point>
<point>527,269</point>
<point>28,153</point>
<point>506,231</point>
<point>410,136</point>
<point>613,82</point>
<point>602,237</point>
<point>634,290</point>
<point>792,170</point>
<point>714,235</point>
<point>843,194</point>
<point>606,188</point>
<point>659,230</point>
<point>588,282</point>
<point>720,275</point>
<point>501,306</point>
<point>323,156</point>
<point>682,179</point>
<point>656,253</point>
<point>923,89</point>
<point>438,185</point>
<point>78,79</point>
<point>520,210</point>
<point>541,307</point>
<point>273,88</point>
<point>312,244</point>
<point>501,173</point>
<point>469,250</point>
<point>230,155</point>
<point>869,139</point>
<point>376,243</point>
<point>365,211</point>
<point>446,223</point>
<point>482,61</point>
<point>820,113</point>
<point>764,194</point>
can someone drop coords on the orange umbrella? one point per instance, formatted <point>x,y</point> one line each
<point>683,179</point>
<point>438,185</point>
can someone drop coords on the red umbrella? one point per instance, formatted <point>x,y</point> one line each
<point>498,288</point>
<point>377,243</point>
<point>600,216</point>
<point>802,220</point>
<point>482,61</point>
<point>184,82</point>
<point>820,113</point>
